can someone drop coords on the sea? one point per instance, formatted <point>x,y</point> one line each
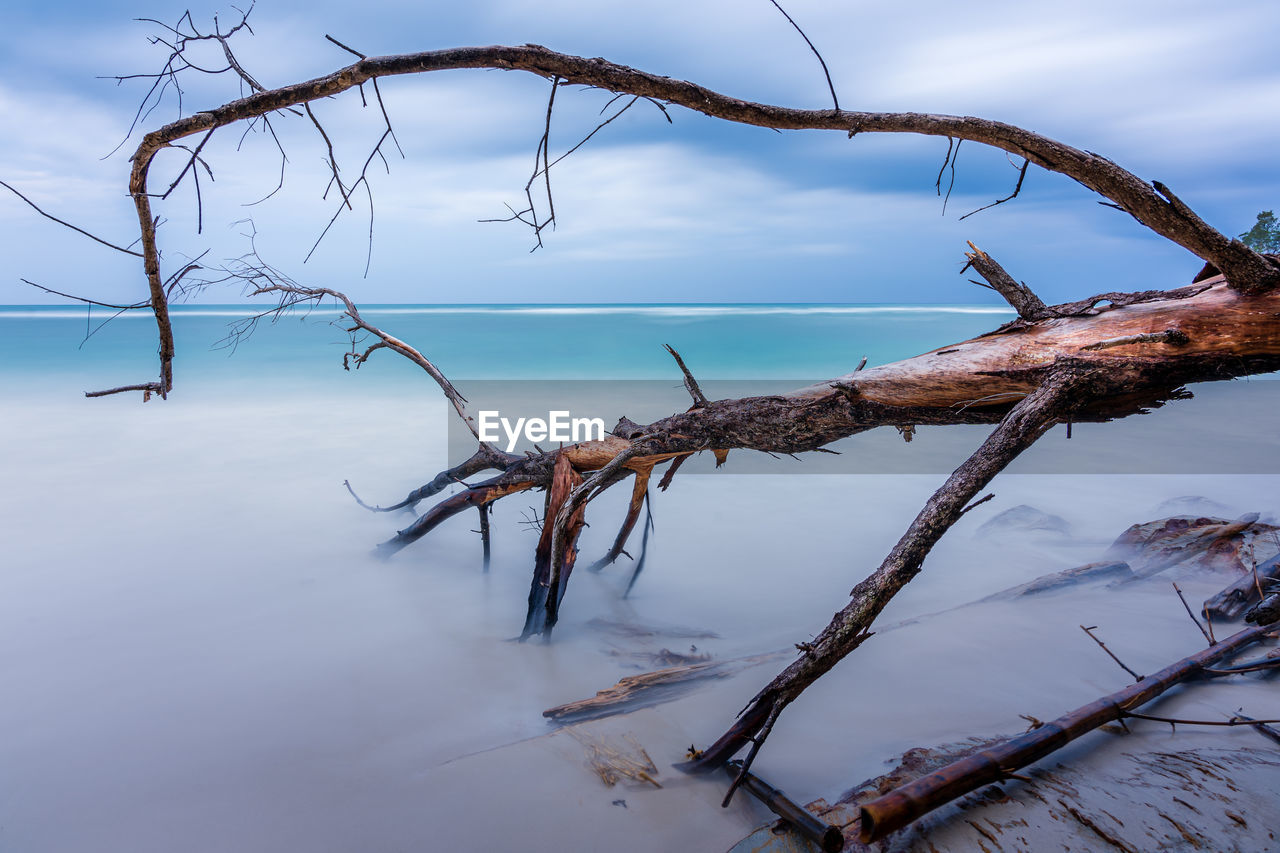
<point>200,650</point>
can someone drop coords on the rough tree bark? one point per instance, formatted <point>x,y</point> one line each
<point>1080,361</point>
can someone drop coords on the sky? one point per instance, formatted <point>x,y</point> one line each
<point>692,210</point>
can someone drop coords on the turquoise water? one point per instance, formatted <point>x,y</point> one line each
<point>56,352</point>
<point>487,342</point>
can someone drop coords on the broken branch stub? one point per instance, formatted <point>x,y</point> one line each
<point>1017,294</point>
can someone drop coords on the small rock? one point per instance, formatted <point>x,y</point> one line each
<point>1025,519</point>
<point>1195,505</point>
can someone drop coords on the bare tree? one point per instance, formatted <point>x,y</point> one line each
<point>1079,361</point>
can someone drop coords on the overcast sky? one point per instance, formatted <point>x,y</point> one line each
<point>696,210</point>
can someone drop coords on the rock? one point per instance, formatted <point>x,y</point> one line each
<point>1024,519</point>
<point>1194,505</point>
<point>1197,543</point>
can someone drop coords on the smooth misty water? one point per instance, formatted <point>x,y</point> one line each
<point>200,653</point>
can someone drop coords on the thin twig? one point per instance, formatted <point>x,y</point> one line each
<point>1183,599</point>
<point>344,47</point>
<point>142,304</point>
<point>830,85</point>
<point>1110,654</point>
<point>979,502</point>
<point>952,185</point>
<point>66,224</point>
<point>1173,721</point>
<point>1022,175</point>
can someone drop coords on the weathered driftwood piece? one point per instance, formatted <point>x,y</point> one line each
<point>826,836</point>
<point>1264,612</point>
<point>637,691</point>
<point>1236,598</point>
<point>1109,569</point>
<point>646,689</point>
<point>898,808</point>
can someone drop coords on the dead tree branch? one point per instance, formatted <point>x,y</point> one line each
<point>486,458</point>
<point>1155,207</point>
<point>263,279</point>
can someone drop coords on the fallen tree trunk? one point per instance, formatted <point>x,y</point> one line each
<point>1227,334</point>
<point>903,805</point>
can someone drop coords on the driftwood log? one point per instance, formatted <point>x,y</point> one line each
<point>1107,356</point>
<point>995,763</point>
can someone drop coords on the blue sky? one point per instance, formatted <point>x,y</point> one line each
<point>697,210</point>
